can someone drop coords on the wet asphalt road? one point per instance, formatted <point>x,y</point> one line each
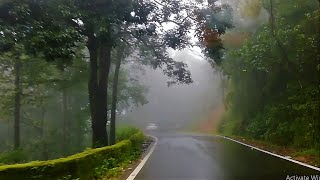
<point>198,157</point>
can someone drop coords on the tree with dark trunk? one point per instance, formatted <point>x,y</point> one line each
<point>65,120</point>
<point>98,84</point>
<point>45,154</point>
<point>17,103</point>
<point>114,98</point>
<point>99,24</point>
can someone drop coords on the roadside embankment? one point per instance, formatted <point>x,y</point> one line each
<point>90,164</point>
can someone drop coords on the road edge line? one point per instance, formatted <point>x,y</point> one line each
<point>273,154</point>
<point>144,160</point>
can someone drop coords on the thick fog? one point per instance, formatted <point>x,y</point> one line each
<point>182,106</point>
<point>178,106</point>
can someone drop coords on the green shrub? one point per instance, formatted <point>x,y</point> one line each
<point>12,157</point>
<point>125,132</point>
<point>312,152</point>
<point>90,164</point>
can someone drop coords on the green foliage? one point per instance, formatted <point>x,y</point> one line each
<point>274,80</point>
<point>12,157</point>
<point>130,92</point>
<point>90,164</point>
<point>42,124</point>
<point>125,132</point>
<point>313,152</point>
<point>57,30</point>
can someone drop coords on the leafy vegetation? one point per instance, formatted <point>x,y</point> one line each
<point>125,132</point>
<point>52,51</point>
<point>273,77</point>
<point>54,109</point>
<point>66,33</point>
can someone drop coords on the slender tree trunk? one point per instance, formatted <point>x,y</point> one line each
<point>9,130</point>
<point>65,120</point>
<point>45,154</point>
<point>93,85</point>
<point>17,103</point>
<point>114,101</point>
<point>77,128</point>
<point>98,84</point>
<point>221,84</point>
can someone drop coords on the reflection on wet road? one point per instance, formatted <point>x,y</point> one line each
<point>197,157</point>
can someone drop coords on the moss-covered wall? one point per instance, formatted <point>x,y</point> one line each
<point>90,164</point>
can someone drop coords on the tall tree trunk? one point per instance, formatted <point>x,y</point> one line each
<point>17,103</point>
<point>221,84</point>
<point>98,84</point>
<point>114,101</point>
<point>93,86</point>
<point>102,101</point>
<point>45,154</point>
<point>65,120</point>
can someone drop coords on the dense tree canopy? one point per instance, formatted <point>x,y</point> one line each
<point>273,89</point>
<point>55,47</point>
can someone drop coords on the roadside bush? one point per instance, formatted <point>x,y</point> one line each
<point>12,157</point>
<point>90,164</point>
<point>125,132</point>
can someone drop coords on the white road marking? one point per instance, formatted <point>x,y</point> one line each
<point>276,155</point>
<point>140,166</point>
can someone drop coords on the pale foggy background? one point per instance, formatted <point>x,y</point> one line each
<point>182,106</point>
<point>177,106</point>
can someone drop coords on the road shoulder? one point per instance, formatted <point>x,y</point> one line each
<point>132,171</point>
<point>280,152</point>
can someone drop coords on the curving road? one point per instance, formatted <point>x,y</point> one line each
<point>198,157</point>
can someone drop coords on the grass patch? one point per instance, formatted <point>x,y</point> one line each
<point>125,132</point>
<point>308,152</point>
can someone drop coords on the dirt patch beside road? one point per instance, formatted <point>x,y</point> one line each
<point>288,152</point>
<point>210,123</point>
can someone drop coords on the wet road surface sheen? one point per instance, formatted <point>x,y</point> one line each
<point>199,157</point>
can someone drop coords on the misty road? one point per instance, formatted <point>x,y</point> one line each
<point>199,157</point>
